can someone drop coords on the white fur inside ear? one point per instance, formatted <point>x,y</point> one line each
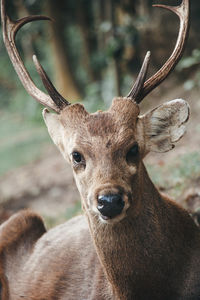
<point>179,119</point>
<point>164,125</point>
<point>54,127</point>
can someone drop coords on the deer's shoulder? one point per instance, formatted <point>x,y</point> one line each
<point>27,250</point>
<point>25,234</point>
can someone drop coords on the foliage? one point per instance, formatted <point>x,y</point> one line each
<point>12,94</point>
<point>93,40</point>
<point>189,62</point>
<point>103,45</point>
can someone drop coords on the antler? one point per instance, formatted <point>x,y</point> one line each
<point>182,11</point>
<point>10,28</point>
<point>137,87</point>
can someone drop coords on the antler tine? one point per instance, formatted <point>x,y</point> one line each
<point>54,94</point>
<point>183,12</point>
<point>138,85</point>
<point>10,29</point>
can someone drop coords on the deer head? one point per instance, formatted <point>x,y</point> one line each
<point>106,149</point>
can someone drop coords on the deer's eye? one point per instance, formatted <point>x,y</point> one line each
<point>77,157</point>
<point>132,153</point>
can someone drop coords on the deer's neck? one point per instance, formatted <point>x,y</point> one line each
<point>130,251</point>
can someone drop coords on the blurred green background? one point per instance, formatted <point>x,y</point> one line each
<point>92,51</point>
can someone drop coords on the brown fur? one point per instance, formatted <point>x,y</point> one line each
<point>150,251</point>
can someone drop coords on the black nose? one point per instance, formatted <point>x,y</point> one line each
<point>110,205</point>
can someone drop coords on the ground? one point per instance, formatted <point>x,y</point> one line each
<point>46,184</point>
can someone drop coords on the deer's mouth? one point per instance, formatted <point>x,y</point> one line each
<point>112,220</point>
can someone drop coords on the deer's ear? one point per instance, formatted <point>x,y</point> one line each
<point>55,128</point>
<point>165,125</point>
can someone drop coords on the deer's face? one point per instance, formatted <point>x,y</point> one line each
<point>105,149</point>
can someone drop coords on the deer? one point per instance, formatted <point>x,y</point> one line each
<point>132,242</point>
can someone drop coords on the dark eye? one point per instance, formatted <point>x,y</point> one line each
<point>77,157</point>
<point>132,153</point>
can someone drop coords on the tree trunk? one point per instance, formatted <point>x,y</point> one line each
<point>65,80</point>
<point>85,15</point>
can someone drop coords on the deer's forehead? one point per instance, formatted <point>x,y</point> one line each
<point>102,133</point>
<point>121,116</point>
<point>99,144</point>
<point>101,124</point>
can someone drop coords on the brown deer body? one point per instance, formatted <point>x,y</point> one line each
<point>64,264</point>
<point>133,243</point>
